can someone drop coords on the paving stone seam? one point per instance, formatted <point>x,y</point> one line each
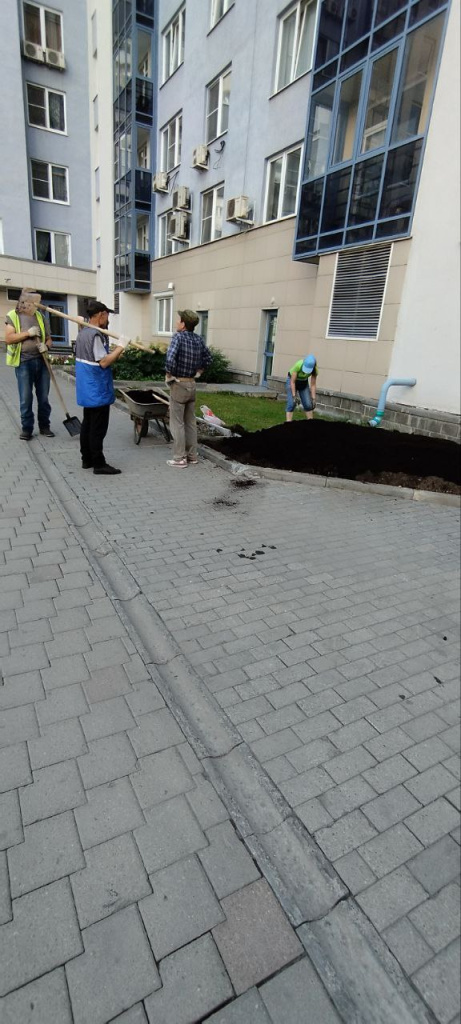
<point>111,570</point>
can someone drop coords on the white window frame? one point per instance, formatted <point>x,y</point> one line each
<point>227,73</point>
<point>164,313</point>
<point>214,192</point>
<point>43,11</point>
<point>283,156</point>
<point>46,127</point>
<point>52,235</point>
<point>301,8</point>
<point>216,8</point>
<point>172,55</point>
<point>50,198</point>
<point>167,246</point>
<point>173,125</point>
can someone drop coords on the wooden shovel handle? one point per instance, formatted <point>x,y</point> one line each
<point>101,330</point>
<point>53,378</point>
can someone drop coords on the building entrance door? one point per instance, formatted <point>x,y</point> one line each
<point>270,331</point>
<point>58,326</point>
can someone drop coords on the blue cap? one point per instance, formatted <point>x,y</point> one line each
<point>309,364</point>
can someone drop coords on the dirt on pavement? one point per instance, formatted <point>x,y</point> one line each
<point>350,451</point>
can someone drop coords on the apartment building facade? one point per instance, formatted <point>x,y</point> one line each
<point>45,210</point>
<point>305,152</point>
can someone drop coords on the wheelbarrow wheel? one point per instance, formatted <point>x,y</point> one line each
<point>141,427</point>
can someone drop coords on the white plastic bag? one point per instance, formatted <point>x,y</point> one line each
<point>209,416</point>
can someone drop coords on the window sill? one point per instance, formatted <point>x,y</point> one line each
<point>277,92</point>
<point>43,128</point>
<point>220,20</point>
<point>173,73</point>
<point>55,202</point>
<point>276,220</point>
<point>217,137</point>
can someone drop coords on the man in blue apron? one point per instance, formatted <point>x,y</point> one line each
<point>94,385</point>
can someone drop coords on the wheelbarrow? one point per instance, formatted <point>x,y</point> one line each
<point>145,405</point>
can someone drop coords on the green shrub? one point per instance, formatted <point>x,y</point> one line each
<point>218,371</point>
<point>136,365</point>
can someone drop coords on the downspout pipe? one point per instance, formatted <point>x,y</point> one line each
<point>402,382</point>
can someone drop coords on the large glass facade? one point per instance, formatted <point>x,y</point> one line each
<point>134,76</point>
<point>374,76</point>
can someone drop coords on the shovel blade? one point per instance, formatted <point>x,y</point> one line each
<point>72,425</point>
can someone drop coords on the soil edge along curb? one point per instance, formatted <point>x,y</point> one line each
<point>309,890</point>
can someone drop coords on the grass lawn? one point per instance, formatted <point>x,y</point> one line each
<point>251,413</point>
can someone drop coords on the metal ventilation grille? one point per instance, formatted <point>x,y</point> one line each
<point>358,292</point>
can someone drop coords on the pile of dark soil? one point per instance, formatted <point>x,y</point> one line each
<point>352,452</point>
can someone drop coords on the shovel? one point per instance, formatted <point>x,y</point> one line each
<point>81,323</point>
<point>71,423</point>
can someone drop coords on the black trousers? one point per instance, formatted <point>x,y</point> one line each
<point>92,434</point>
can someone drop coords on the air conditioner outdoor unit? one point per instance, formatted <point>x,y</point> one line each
<point>200,158</point>
<point>160,182</point>
<point>32,51</point>
<point>238,209</point>
<point>181,198</point>
<point>179,227</point>
<point>55,59</point>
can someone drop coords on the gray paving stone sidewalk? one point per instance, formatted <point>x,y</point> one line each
<point>326,624</point>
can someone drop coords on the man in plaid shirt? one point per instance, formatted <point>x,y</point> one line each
<point>186,359</point>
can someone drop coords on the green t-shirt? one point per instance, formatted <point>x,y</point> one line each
<point>299,373</point>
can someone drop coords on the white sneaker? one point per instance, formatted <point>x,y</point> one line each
<point>178,463</point>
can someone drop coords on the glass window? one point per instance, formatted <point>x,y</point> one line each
<point>218,10</point>
<point>309,208</point>
<point>365,190</point>
<point>388,31</point>
<point>378,103</point>
<point>336,198</point>
<point>142,232</point>
<point>400,179</point>
<point>164,318</point>
<point>212,214</point>
<point>358,21</point>
<point>346,120</point>
<point>144,55</point>
<point>203,325</point>
<point>330,30</point>
<point>417,80</point>
<point>173,43</point>
<point>46,108</point>
<point>171,137</point>
<point>296,41</point>
<point>166,244</point>
<point>282,184</point>
<point>53,247</point>
<point>217,107</point>
<point>43,27</point>
<point>143,148</point>
<point>318,135</point>
<point>386,8</point>
<point>49,182</point>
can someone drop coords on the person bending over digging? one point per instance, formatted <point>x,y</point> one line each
<point>302,378</point>
<point>27,335</point>
<point>186,359</point>
<point>94,385</point>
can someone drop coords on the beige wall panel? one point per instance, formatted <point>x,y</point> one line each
<point>355,355</point>
<point>379,357</point>
<point>362,383</point>
<point>394,286</point>
<point>295,318</point>
<point>401,252</point>
<point>301,292</point>
<point>323,291</point>
<point>388,324</point>
<point>319,321</point>
<point>330,380</point>
<point>327,264</point>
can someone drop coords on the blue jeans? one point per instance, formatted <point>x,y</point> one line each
<point>304,393</point>
<point>29,375</point>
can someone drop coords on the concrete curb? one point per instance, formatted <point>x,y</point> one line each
<point>310,480</point>
<point>308,888</point>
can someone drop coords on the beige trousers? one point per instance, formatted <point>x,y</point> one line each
<point>183,424</point>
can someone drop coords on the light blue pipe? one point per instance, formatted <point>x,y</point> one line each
<point>404,382</point>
